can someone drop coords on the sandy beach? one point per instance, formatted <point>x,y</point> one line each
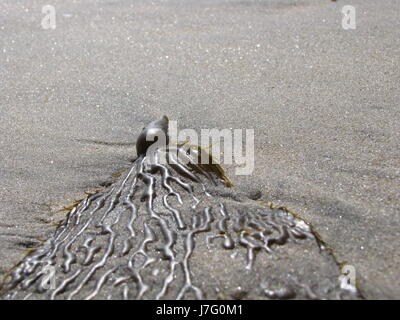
<point>323,102</point>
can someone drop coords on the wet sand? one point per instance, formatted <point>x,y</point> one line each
<point>323,102</point>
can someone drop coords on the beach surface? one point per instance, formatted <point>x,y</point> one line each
<point>323,102</point>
